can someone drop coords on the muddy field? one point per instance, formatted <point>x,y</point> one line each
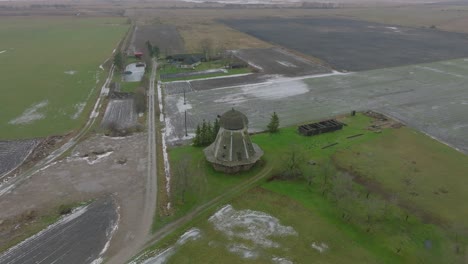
<point>357,45</point>
<point>166,37</point>
<point>431,98</point>
<point>120,113</point>
<point>267,62</point>
<point>99,166</point>
<point>279,61</point>
<point>86,231</point>
<point>13,153</point>
<point>191,74</point>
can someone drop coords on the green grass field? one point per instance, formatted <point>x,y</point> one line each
<point>49,71</point>
<point>358,224</point>
<point>428,176</point>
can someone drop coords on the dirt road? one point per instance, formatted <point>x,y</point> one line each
<point>143,230</point>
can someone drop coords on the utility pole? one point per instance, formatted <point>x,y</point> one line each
<point>186,134</point>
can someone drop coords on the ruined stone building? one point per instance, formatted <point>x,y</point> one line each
<point>232,150</point>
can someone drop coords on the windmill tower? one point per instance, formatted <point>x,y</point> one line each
<point>232,150</point>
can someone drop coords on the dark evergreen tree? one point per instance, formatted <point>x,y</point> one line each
<point>204,133</point>
<point>274,123</point>
<point>149,46</point>
<point>119,61</point>
<point>197,138</point>
<point>215,129</point>
<point>209,134</point>
<point>155,51</point>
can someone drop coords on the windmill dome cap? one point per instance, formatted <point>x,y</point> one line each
<point>233,120</point>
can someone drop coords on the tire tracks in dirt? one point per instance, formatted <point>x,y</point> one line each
<point>150,199</point>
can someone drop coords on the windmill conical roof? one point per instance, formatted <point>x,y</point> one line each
<point>233,120</point>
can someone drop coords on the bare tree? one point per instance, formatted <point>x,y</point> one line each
<point>207,47</point>
<point>328,171</point>
<point>343,194</point>
<point>293,161</point>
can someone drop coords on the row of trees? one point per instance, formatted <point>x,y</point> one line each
<point>206,133</point>
<point>153,50</point>
<point>119,60</point>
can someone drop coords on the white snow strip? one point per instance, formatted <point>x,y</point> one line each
<point>266,91</point>
<point>278,260</point>
<point>287,64</point>
<point>70,72</point>
<point>243,251</point>
<point>255,65</point>
<point>98,158</point>
<point>440,71</point>
<point>79,108</point>
<point>3,51</point>
<point>216,77</point>
<point>166,131</point>
<point>109,233</point>
<point>101,67</point>
<point>191,235</point>
<point>255,226</point>
<point>31,114</point>
<point>320,247</point>
<point>276,79</point>
<point>6,190</point>
<point>394,29</point>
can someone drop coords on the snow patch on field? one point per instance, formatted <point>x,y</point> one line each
<point>266,91</point>
<point>243,251</point>
<point>394,29</point>
<point>98,158</point>
<point>31,114</point>
<point>287,64</point>
<point>183,107</point>
<point>278,260</point>
<point>191,235</point>
<point>3,51</point>
<point>70,72</point>
<point>79,108</point>
<point>254,226</point>
<point>320,247</point>
<point>91,159</point>
<point>277,91</point>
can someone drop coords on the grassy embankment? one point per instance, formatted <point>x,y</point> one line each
<point>54,61</point>
<point>357,222</point>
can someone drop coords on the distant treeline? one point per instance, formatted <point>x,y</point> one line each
<point>57,6</point>
<point>215,5</point>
